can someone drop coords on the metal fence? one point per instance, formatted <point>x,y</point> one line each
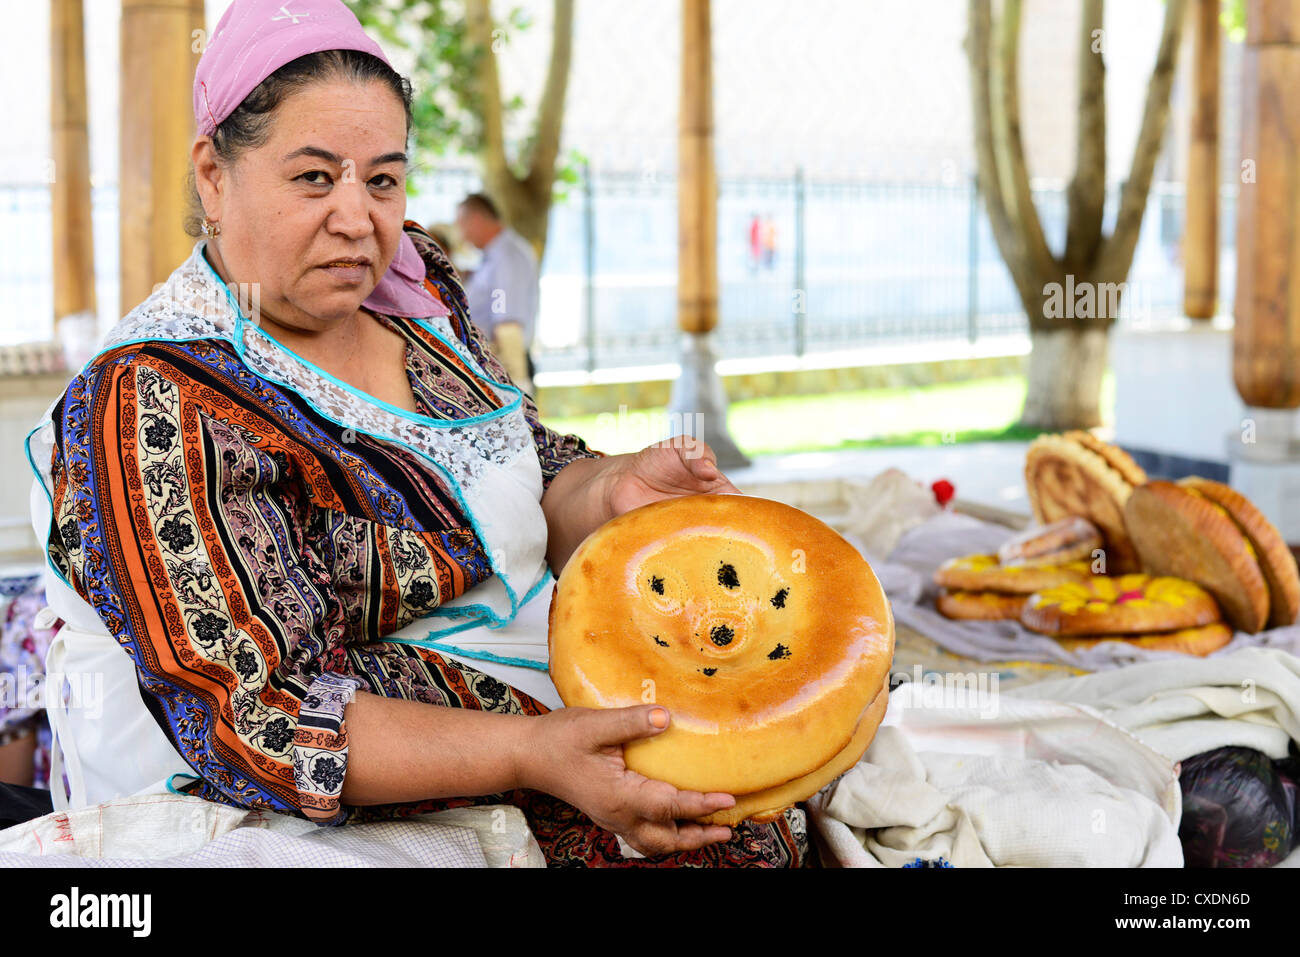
<point>855,265</point>
<point>851,265</point>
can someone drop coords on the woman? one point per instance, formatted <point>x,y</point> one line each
<point>307,504</point>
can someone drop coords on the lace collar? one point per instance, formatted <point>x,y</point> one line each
<point>193,303</point>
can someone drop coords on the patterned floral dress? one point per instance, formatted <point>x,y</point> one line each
<point>251,555</point>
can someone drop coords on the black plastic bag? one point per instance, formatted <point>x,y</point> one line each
<point>1239,809</point>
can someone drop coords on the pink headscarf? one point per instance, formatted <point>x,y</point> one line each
<point>253,39</point>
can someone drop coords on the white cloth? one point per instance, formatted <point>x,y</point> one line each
<point>180,831</point>
<point>1002,782</point>
<point>1247,699</point>
<point>504,287</point>
<point>881,510</point>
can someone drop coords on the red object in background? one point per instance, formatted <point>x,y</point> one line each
<point>943,491</point>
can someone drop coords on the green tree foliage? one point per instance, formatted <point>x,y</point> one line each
<point>447,108</point>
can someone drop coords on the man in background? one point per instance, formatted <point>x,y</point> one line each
<point>503,290</point>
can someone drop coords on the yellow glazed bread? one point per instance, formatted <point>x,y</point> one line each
<point>978,605</point>
<point>984,573</point>
<point>1201,641</point>
<point>764,632</point>
<point>1129,604</point>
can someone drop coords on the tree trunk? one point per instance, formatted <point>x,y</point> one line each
<point>525,201</point>
<point>1064,378</point>
<point>1070,298</point>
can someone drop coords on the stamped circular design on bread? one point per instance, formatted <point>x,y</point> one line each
<point>978,605</point>
<point>1179,532</point>
<point>761,629</point>
<point>985,573</point>
<point>1201,641</point>
<point>1064,478</point>
<point>1128,604</point>
<point>1269,548</point>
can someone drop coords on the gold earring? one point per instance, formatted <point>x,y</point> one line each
<point>210,228</point>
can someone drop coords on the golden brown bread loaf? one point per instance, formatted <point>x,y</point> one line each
<point>1271,551</point>
<point>1115,457</point>
<point>1180,532</point>
<point>763,632</point>
<point>1077,474</point>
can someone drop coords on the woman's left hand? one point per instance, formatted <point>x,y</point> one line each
<point>682,465</point>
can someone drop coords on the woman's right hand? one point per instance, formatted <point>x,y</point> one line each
<point>576,754</point>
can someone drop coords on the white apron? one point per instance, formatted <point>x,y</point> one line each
<point>106,742</point>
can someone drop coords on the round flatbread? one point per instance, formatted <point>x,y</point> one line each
<point>985,573</point>
<point>978,605</point>
<point>1115,457</point>
<point>1069,539</point>
<point>1063,477</point>
<point>760,628</point>
<point>1182,533</point>
<point>1128,604</point>
<point>772,802</point>
<point>1271,550</point>
<point>1188,641</point>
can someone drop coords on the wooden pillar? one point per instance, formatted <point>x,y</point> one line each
<point>697,179</point>
<point>159,57</point>
<point>1201,237</point>
<point>698,396</point>
<point>1266,335</point>
<point>74,240</point>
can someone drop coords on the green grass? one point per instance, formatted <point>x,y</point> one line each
<point>978,410</point>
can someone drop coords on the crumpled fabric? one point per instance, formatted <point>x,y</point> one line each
<point>1248,698</point>
<point>177,830</point>
<point>994,782</point>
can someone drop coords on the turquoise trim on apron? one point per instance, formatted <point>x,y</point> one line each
<point>436,642</point>
<point>40,480</point>
<point>180,774</point>
<point>494,620</point>
<point>477,613</point>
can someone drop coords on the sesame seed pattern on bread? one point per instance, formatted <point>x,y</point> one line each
<point>762,630</point>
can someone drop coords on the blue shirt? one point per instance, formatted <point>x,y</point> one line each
<point>504,287</point>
